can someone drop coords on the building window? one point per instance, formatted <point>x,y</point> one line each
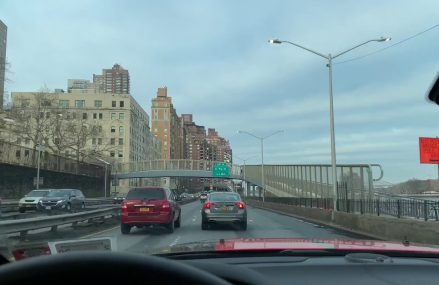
<point>113,116</point>
<point>121,116</point>
<point>17,154</point>
<point>84,116</point>
<point>112,141</point>
<point>47,115</point>
<point>64,103</point>
<point>27,141</point>
<point>99,129</point>
<point>113,129</point>
<point>79,103</point>
<point>121,130</point>
<point>25,103</point>
<point>112,153</point>
<point>120,154</point>
<point>100,116</point>
<point>113,104</point>
<point>74,115</point>
<point>99,141</point>
<point>95,115</point>
<point>121,104</point>
<point>120,141</point>
<point>98,103</point>
<point>93,141</point>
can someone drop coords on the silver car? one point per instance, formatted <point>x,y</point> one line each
<point>31,199</point>
<point>224,207</point>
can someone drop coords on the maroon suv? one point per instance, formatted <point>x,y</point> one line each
<point>145,206</point>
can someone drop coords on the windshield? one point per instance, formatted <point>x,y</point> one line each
<point>226,197</point>
<point>58,194</point>
<point>37,193</point>
<point>174,123</point>
<point>149,194</point>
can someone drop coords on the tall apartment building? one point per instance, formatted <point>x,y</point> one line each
<point>3,40</point>
<point>115,80</point>
<point>220,147</point>
<point>166,125</point>
<point>123,132</point>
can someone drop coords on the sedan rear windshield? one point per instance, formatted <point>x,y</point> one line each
<point>150,193</point>
<point>224,197</point>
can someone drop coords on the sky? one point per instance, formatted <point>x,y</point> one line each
<point>215,59</point>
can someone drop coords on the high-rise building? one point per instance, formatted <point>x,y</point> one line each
<point>3,40</point>
<point>166,125</point>
<point>115,80</point>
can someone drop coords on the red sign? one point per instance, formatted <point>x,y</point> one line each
<point>429,150</point>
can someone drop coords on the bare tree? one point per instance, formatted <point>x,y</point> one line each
<point>33,117</point>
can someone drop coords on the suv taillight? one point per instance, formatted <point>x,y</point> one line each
<point>240,205</point>
<point>207,205</point>
<point>166,206</point>
<point>124,207</point>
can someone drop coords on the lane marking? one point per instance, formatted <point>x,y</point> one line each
<point>175,241</point>
<point>98,233</point>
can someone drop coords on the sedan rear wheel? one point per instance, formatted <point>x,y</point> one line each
<point>177,223</point>
<point>244,225</point>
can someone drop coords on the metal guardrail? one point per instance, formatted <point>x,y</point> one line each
<point>24,225</point>
<point>23,156</point>
<point>390,206</point>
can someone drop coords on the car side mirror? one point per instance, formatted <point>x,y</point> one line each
<point>433,93</point>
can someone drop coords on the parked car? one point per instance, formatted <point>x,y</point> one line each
<point>62,199</point>
<point>224,207</point>
<point>31,199</point>
<point>145,206</point>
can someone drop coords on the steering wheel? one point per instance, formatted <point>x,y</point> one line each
<point>104,267</point>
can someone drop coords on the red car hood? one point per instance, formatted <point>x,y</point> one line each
<point>319,244</point>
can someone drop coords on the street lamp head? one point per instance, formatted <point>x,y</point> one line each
<point>275,41</point>
<point>384,39</point>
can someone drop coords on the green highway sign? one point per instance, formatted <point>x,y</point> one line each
<point>220,169</point>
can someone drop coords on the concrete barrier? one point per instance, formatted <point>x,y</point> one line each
<point>384,228</point>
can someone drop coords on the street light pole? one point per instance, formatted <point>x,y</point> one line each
<point>106,174</point>
<point>262,157</point>
<point>244,160</point>
<point>38,161</point>
<point>330,58</point>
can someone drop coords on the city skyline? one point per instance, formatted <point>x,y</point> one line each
<point>233,79</point>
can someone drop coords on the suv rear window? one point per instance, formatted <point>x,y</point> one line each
<point>149,193</point>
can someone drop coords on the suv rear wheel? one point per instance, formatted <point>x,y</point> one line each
<point>171,226</point>
<point>125,229</point>
<point>177,223</point>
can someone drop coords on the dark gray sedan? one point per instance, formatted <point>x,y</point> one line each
<point>62,199</point>
<point>224,207</point>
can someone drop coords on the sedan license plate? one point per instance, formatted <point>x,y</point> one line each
<point>144,209</point>
<point>227,208</point>
<point>48,208</point>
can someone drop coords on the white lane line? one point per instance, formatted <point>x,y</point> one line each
<point>175,241</point>
<point>101,232</point>
<point>194,218</point>
<point>250,221</point>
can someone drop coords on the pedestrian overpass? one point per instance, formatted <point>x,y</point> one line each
<point>171,168</point>
<point>306,181</point>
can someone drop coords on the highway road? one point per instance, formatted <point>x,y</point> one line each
<point>261,223</point>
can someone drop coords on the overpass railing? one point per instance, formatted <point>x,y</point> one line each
<point>171,164</point>
<point>314,181</point>
<point>22,156</point>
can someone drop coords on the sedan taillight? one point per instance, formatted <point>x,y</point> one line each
<point>207,205</point>
<point>240,205</point>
